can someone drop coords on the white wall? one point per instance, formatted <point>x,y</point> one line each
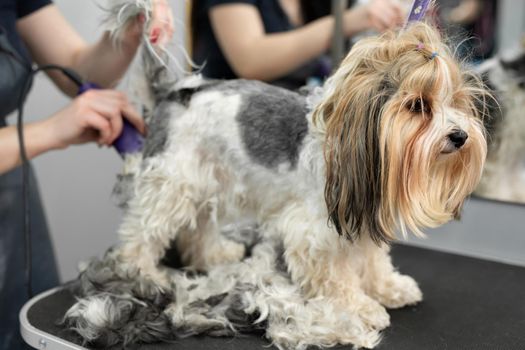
<point>76,184</point>
<point>487,229</point>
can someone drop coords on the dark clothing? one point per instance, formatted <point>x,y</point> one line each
<point>12,265</point>
<point>476,41</point>
<point>207,52</point>
<point>14,70</point>
<point>10,12</point>
<point>14,57</point>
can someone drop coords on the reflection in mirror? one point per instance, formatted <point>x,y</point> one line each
<point>504,174</point>
<point>484,29</point>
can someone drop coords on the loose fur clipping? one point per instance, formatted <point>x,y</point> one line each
<point>251,184</point>
<point>119,306</point>
<point>120,14</point>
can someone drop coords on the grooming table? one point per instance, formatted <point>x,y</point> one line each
<point>469,304</point>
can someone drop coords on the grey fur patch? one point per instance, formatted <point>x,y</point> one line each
<point>122,190</point>
<point>245,233</point>
<point>170,105</point>
<point>158,129</point>
<point>183,96</point>
<point>243,321</point>
<point>272,122</point>
<point>515,67</point>
<point>280,263</point>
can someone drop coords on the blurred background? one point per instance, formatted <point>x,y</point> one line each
<point>76,185</point>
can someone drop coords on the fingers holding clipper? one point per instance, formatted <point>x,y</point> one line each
<point>103,127</point>
<point>134,118</point>
<point>96,115</point>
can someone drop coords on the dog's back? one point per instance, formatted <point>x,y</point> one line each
<point>267,123</point>
<point>244,127</point>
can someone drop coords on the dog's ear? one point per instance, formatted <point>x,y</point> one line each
<point>383,170</point>
<point>354,165</point>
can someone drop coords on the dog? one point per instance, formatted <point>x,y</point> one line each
<point>504,174</point>
<point>393,142</point>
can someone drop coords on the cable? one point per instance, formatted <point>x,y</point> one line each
<point>25,163</point>
<point>75,78</point>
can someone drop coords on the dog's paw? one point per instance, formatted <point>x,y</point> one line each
<point>397,291</point>
<point>373,314</point>
<point>366,340</point>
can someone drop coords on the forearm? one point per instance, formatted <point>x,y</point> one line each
<point>105,62</point>
<point>254,54</point>
<point>38,139</point>
<point>274,55</point>
<point>356,20</point>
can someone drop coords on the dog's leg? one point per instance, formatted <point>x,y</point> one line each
<point>162,206</point>
<point>326,265</point>
<point>204,246</point>
<point>383,283</point>
<point>175,197</point>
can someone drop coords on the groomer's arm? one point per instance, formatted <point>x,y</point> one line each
<point>37,141</point>
<point>254,54</point>
<point>51,39</point>
<point>94,116</point>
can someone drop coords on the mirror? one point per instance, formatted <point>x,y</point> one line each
<point>504,175</point>
<point>490,35</point>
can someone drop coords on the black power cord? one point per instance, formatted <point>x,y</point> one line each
<point>25,162</point>
<point>75,78</point>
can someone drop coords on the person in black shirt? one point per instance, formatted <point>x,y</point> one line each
<point>279,41</point>
<point>35,31</point>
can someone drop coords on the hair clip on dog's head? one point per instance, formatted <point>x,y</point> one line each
<point>420,47</point>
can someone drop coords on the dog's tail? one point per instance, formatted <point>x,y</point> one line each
<point>151,76</point>
<point>155,70</point>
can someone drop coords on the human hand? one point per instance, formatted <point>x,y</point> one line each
<point>95,115</point>
<point>467,12</point>
<point>383,15</point>
<point>160,26</point>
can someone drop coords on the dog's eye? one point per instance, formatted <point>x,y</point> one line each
<point>420,106</point>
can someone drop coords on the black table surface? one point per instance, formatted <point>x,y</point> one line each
<point>468,304</point>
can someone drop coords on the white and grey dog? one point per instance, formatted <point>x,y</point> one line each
<point>392,142</point>
<point>504,174</point>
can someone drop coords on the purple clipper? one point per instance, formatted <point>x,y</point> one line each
<point>129,140</point>
<point>419,9</point>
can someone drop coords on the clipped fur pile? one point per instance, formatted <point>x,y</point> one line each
<point>118,307</point>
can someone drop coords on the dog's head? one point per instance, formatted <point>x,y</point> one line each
<point>404,141</point>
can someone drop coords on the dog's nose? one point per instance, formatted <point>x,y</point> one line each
<point>458,138</point>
